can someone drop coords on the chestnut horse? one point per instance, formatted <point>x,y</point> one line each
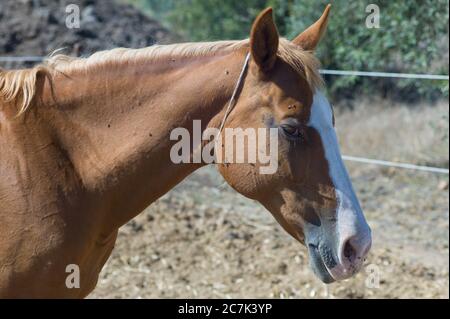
<point>84,148</point>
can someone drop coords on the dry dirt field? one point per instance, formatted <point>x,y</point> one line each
<point>203,240</point>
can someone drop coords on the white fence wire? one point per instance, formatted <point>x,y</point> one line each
<point>323,71</point>
<point>21,58</point>
<point>387,75</point>
<point>431,169</point>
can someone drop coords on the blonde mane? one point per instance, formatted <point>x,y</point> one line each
<point>21,84</point>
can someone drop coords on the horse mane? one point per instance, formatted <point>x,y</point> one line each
<point>21,84</point>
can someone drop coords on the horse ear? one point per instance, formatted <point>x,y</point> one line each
<point>264,40</point>
<point>310,38</point>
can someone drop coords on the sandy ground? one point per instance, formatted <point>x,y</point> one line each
<point>203,240</point>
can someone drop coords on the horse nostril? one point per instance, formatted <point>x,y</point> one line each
<point>349,251</point>
<point>354,250</point>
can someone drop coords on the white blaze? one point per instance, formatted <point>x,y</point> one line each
<point>350,219</point>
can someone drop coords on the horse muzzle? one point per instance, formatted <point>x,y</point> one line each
<point>337,249</point>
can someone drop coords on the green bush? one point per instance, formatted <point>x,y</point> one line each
<point>412,38</point>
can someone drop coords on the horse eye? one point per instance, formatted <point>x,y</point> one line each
<point>292,131</point>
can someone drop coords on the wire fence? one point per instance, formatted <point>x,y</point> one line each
<point>387,75</point>
<point>369,161</point>
<point>21,59</point>
<point>323,71</point>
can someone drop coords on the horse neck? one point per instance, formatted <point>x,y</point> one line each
<point>116,127</point>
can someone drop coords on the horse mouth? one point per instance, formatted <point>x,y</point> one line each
<point>317,259</point>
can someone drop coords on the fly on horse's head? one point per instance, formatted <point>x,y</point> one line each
<point>310,194</point>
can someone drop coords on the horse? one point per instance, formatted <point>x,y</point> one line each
<point>85,147</point>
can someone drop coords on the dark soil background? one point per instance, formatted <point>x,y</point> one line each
<point>38,27</point>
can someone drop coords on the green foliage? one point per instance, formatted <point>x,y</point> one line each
<point>412,38</point>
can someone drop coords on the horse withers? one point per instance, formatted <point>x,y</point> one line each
<point>85,147</point>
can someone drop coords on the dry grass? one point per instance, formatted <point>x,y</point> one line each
<point>376,129</point>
